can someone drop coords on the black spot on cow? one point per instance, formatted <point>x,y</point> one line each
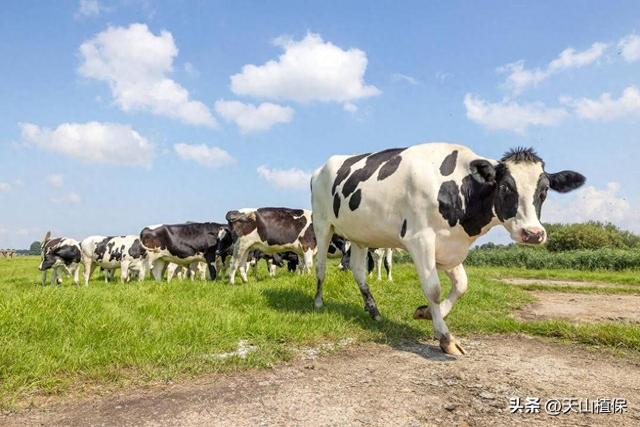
<point>137,250</point>
<point>373,162</point>
<point>308,239</point>
<point>279,226</point>
<point>403,230</point>
<point>336,205</point>
<point>68,254</point>
<point>540,194</point>
<point>449,202</point>
<point>101,248</point>
<point>389,168</point>
<point>478,201</point>
<point>477,189</point>
<point>355,199</point>
<point>506,195</point>
<point>345,170</point>
<point>449,163</point>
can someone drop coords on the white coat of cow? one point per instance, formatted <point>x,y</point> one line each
<point>109,253</point>
<point>434,200</point>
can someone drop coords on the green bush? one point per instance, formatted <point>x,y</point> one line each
<point>539,258</point>
<point>589,235</point>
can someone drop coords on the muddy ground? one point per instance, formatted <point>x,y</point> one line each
<point>378,385</point>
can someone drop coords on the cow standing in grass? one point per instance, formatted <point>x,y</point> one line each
<point>434,200</point>
<point>271,231</point>
<point>184,245</point>
<point>109,253</point>
<point>58,255</point>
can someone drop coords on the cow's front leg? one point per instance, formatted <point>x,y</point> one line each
<point>359,269</point>
<point>44,277</point>
<point>422,251</point>
<point>458,277</point>
<point>76,275</point>
<point>158,269</point>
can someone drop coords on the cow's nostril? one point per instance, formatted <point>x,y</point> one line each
<point>533,235</point>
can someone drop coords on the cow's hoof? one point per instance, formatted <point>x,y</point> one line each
<point>318,304</point>
<point>422,312</point>
<point>450,345</point>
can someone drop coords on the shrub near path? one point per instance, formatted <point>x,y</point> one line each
<point>68,340</point>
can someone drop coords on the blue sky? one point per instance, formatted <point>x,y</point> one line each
<point>120,114</point>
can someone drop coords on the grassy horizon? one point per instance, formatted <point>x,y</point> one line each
<point>54,339</point>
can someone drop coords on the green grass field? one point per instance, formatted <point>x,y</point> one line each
<point>55,340</point>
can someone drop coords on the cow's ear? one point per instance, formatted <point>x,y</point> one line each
<point>483,171</point>
<point>46,238</point>
<point>565,181</point>
<point>233,216</point>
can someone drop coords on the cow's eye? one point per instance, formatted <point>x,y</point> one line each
<point>505,188</point>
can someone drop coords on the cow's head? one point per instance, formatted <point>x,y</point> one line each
<point>520,186</point>
<point>47,250</point>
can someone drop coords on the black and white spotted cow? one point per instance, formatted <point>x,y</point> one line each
<point>273,261</point>
<point>434,200</point>
<point>59,255</point>
<point>185,244</point>
<point>270,230</point>
<point>110,253</point>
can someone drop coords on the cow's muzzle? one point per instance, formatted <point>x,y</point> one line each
<point>533,236</point>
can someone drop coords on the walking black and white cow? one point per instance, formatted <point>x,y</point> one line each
<point>185,244</point>
<point>434,200</point>
<point>270,230</point>
<point>109,253</point>
<point>58,255</point>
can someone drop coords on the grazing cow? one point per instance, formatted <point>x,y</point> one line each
<point>184,244</point>
<point>270,230</point>
<point>434,200</point>
<point>59,254</point>
<point>273,261</point>
<point>109,253</point>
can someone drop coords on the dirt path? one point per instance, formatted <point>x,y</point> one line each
<point>378,385</point>
<point>565,283</point>
<point>582,307</point>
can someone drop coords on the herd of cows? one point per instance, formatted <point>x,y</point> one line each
<point>432,200</point>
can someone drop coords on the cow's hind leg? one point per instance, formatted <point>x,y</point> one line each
<point>458,277</point>
<point>388,263</point>
<point>323,239</point>
<point>359,269</point>
<point>422,251</point>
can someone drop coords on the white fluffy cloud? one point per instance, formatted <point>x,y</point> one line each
<point>66,199</point>
<point>629,48</point>
<point>5,187</point>
<point>294,178</point>
<point>55,180</point>
<point>519,78</point>
<point>135,63</point>
<point>593,204</point>
<point>309,70</point>
<point>92,142</point>
<point>212,157</point>
<point>251,118</point>
<point>88,8</point>
<point>608,108</point>
<point>510,115</point>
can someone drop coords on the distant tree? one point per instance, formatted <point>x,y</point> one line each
<point>34,249</point>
